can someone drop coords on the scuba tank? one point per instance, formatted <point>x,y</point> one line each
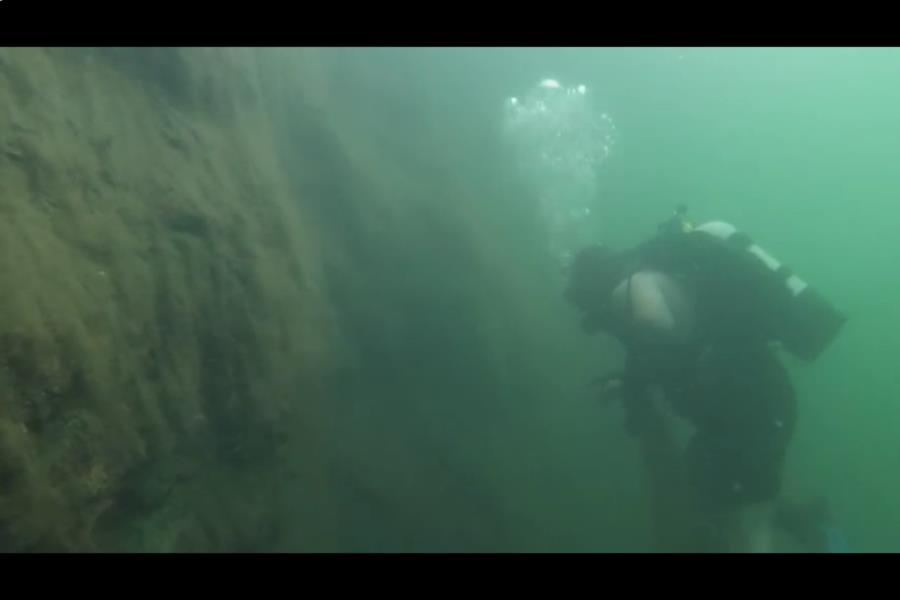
<point>805,323</point>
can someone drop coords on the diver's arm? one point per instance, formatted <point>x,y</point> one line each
<point>651,319</point>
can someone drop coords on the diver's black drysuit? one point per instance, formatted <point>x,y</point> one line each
<point>727,380</point>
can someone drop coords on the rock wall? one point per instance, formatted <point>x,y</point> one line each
<point>249,303</point>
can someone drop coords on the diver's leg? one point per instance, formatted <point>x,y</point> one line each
<point>769,431</point>
<point>737,456</point>
<point>671,516</point>
<point>754,530</point>
<point>737,476</point>
<point>804,523</point>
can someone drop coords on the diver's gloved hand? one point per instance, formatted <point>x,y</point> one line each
<point>640,413</point>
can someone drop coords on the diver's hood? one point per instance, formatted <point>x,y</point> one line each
<point>593,274</point>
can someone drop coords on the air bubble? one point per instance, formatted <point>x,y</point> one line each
<point>561,142</point>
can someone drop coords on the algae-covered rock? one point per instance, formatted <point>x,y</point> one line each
<point>249,303</point>
<point>151,311</point>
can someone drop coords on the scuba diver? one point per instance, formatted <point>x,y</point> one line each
<point>699,311</point>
